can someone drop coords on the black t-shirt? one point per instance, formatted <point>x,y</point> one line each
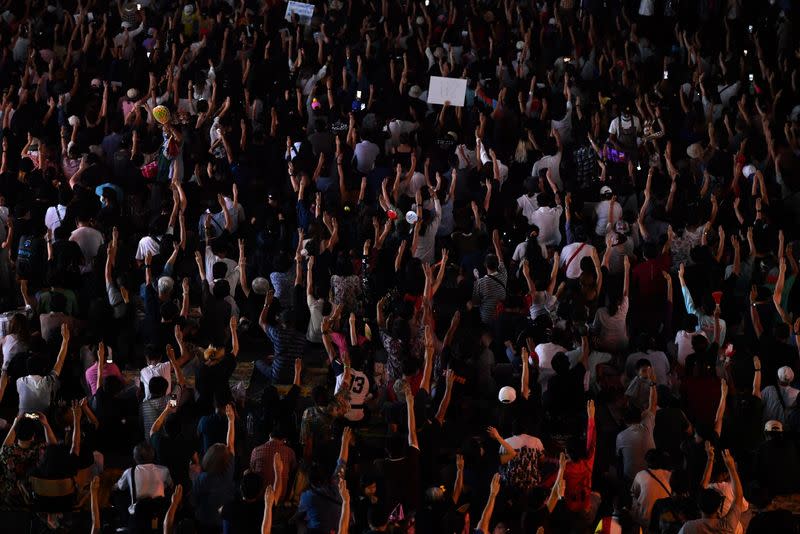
<point>174,453</point>
<point>210,379</point>
<point>244,517</point>
<point>402,480</point>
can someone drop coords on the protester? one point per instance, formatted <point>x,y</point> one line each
<point>299,257</point>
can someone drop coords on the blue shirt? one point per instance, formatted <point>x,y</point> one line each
<point>322,508</point>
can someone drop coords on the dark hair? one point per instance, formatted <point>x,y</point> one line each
<point>26,429</point>
<point>158,387</point>
<point>560,363</point>
<point>641,363</point>
<point>219,270</point>
<point>632,416</point>
<point>491,262</point>
<point>37,365</point>
<point>709,501</point>
<point>320,395</point>
<point>144,453</point>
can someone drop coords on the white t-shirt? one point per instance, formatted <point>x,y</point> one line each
<point>55,216</point>
<point>231,275</point>
<point>162,369</point>
<point>359,389</point>
<point>522,250</point>
<point>647,8</point>
<point>147,244</point>
<point>151,482</point>
<point>683,341</point>
<point>89,240</point>
<point>527,205</point>
<point>603,212</point>
<point>648,490</point>
<point>574,251</point>
<point>618,124</point>
<point>545,352</point>
<point>549,162</point>
<point>366,152</point>
<point>524,440</point>
<point>548,219</point>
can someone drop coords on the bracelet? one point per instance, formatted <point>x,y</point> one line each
<point>148,266</point>
<point>757,370</point>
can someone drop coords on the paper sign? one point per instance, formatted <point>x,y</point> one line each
<point>452,89</point>
<point>304,11</point>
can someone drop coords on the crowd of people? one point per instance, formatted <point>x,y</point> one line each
<point>253,281</point>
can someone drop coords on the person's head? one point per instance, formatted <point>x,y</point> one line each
<point>377,516</point>
<point>785,375</point>
<point>151,354</point>
<point>216,459</point>
<point>560,363</point>
<point>656,459</point>
<point>491,263</point>
<point>26,429</point>
<point>643,367</point>
<point>710,501</point>
<point>250,486</point>
<point>632,416</point>
<point>576,448</point>
<point>321,396</point>
<point>143,453</point>
<point>699,343</point>
<point>58,302</point>
<point>369,485</point>
<point>165,287</point>
<point>37,365</point>
<point>650,250</point>
<point>773,429</point>
<point>222,289</point>
<point>158,387</point>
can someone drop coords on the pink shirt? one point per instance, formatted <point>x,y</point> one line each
<point>109,369</point>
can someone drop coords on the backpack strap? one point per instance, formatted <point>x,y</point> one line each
<point>572,257</point>
<point>659,482</point>
<point>491,276</point>
<point>132,484</point>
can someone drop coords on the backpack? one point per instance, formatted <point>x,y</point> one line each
<point>30,257</point>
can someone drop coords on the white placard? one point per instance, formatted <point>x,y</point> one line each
<point>304,11</point>
<point>452,89</point>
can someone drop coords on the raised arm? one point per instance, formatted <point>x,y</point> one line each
<point>344,517</point>
<point>778,295</point>
<point>234,323</point>
<point>412,424</point>
<point>263,317</point>
<point>266,522</point>
<point>756,377</point>
<point>736,483</point>
<point>509,452</point>
<point>723,396</point>
<point>557,491</point>
<point>231,435</point>
<point>709,465</point>
<point>525,386</point>
<point>498,245</point>
<point>62,353</point>
<point>450,379</point>
<point>458,486</point>
<point>626,285</point>
<point>174,504</point>
<point>486,516</point>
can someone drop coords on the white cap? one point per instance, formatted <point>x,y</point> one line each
<point>132,93</point>
<point>411,217</point>
<point>748,170</point>
<point>415,91</point>
<point>785,374</point>
<point>507,395</point>
<point>188,9</point>
<point>73,120</point>
<point>605,190</point>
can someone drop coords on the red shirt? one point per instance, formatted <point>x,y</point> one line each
<point>647,277</point>
<point>578,475</point>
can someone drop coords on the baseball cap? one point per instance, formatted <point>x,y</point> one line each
<point>748,170</point>
<point>622,227</point>
<point>773,426</point>
<point>411,217</point>
<point>507,395</point>
<point>785,374</point>
<point>605,190</point>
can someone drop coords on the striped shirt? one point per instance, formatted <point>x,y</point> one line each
<point>288,344</point>
<point>488,291</point>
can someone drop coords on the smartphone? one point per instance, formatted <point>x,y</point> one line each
<point>109,358</point>
<point>148,54</point>
<point>358,94</point>
<point>666,75</point>
<point>750,77</point>
<point>427,3</point>
<point>32,416</point>
<point>567,59</point>
<point>317,36</point>
<point>363,107</point>
<point>750,29</point>
<point>139,8</point>
<point>173,400</point>
<point>745,52</point>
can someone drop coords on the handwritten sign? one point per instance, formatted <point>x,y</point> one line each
<point>447,89</point>
<point>304,11</point>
